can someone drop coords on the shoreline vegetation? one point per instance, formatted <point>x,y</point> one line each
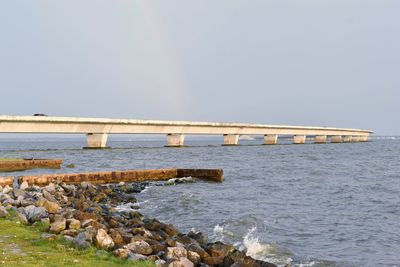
<point>24,246</point>
<point>84,223</point>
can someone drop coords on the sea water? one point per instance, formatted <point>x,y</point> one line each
<point>307,205</point>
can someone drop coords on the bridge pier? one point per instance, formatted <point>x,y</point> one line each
<point>231,139</point>
<point>348,139</point>
<point>299,139</point>
<point>320,139</point>
<point>96,140</point>
<point>270,139</point>
<point>175,140</point>
<point>336,139</point>
<point>97,129</point>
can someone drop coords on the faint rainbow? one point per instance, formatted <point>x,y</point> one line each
<point>177,88</point>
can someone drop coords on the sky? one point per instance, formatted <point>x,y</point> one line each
<point>313,62</point>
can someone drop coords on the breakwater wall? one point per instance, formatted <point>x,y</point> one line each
<point>4,181</point>
<point>214,175</point>
<point>24,164</point>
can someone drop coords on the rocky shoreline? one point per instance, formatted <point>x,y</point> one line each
<point>88,214</point>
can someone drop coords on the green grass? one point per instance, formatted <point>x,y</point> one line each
<point>22,245</point>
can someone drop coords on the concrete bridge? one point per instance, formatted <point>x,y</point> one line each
<point>97,130</point>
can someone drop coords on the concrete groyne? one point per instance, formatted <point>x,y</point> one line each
<point>6,181</point>
<point>214,175</point>
<point>25,164</point>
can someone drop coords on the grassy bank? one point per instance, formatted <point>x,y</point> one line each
<point>22,245</point>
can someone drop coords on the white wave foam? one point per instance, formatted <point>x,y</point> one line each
<point>218,229</point>
<point>146,189</point>
<point>254,248</point>
<point>309,264</point>
<point>127,207</point>
<point>220,234</point>
<point>263,251</point>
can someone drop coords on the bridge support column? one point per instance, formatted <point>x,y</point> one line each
<point>299,139</point>
<point>348,139</point>
<point>96,140</point>
<point>320,139</point>
<point>336,139</point>
<point>175,140</point>
<point>231,139</point>
<point>270,139</point>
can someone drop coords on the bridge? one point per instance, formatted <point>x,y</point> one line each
<point>97,130</point>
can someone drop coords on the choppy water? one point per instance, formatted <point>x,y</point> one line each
<point>312,205</point>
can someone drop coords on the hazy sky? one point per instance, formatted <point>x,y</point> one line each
<point>333,63</point>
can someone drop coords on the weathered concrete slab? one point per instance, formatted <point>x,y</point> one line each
<point>9,180</point>
<point>25,164</point>
<point>216,175</point>
<point>124,176</point>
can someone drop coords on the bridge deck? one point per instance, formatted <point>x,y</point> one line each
<point>98,129</point>
<point>33,124</point>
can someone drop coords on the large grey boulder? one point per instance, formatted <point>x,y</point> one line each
<point>140,247</point>
<point>24,185</point>
<point>4,197</point>
<point>7,189</point>
<point>50,187</point>
<point>137,257</point>
<point>82,240</point>
<point>3,212</point>
<point>34,214</point>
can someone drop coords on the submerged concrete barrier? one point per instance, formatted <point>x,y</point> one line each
<point>215,175</point>
<point>25,164</point>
